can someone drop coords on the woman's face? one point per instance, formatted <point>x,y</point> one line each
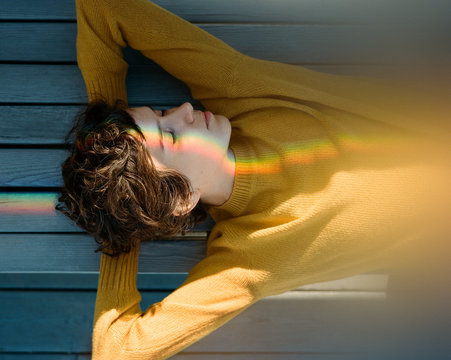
<point>179,139</point>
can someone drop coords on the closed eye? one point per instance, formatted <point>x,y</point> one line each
<point>174,138</point>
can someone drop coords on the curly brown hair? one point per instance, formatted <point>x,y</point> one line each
<point>111,186</point>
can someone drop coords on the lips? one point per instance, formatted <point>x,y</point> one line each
<point>207,118</point>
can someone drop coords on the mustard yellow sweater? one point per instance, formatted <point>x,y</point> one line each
<point>329,182</point>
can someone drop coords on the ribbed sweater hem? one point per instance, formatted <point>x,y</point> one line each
<point>243,185</point>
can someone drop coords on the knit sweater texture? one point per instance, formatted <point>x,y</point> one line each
<point>334,177</point>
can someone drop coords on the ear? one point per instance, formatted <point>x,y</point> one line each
<point>181,210</point>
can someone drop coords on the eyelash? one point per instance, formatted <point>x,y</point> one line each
<point>174,138</point>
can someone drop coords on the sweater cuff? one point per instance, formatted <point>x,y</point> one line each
<point>120,272</point>
<point>105,86</point>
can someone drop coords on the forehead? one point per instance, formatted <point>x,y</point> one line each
<point>141,116</point>
<point>137,111</point>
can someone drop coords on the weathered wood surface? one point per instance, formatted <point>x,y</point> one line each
<point>295,321</point>
<point>315,322</point>
<point>34,211</point>
<point>63,84</point>
<point>263,11</point>
<point>289,43</point>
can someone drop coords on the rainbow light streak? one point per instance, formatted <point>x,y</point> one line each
<point>38,203</point>
<point>292,153</point>
<point>199,144</point>
<point>302,152</point>
<point>307,152</point>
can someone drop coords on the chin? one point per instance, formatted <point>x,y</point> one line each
<point>227,129</point>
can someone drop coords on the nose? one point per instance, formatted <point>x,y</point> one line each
<point>187,110</point>
<point>184,114</point>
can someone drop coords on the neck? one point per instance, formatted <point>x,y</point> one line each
<point>222,184</point>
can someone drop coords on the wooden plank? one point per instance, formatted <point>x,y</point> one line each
<point>293,322</point>
<point>51,321</point>
<point>186,355</point>
<point>31,167</point>
<point>75,253</point>
<point>192,10</point>
<point>35,212</point>
<point>299,44</point>
<point>37,10</point>
<point>25,125</point>
<point>305,11</point>
<point>29,125</point>
<point>84,280</point>
<point>73,257</point>
<point>56,84</point>
<point>63,84</point>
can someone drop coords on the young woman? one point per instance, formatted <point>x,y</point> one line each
<point>308,176</point>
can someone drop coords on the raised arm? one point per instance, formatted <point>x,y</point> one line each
<point>189,53</point>
<point>217,289</point>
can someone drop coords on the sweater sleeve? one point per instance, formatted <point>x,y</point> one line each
<point>217,289</point>
<point>189,53</point>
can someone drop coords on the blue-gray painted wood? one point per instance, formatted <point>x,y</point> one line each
<point>57,84</point>
<point>75,253</point>
<point>37,214</point>
<point>45,220</point>
<point>57,321</point>
<point>296,44</point>
<point>50,320</point>
<point>200,10</point>
<point>315,322</point>
<point>32,167</point>
<point>263,11</point>
<point>43,125</point>
<point>84,280</point>
<point>160,280</point>
<point>188,355</point>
